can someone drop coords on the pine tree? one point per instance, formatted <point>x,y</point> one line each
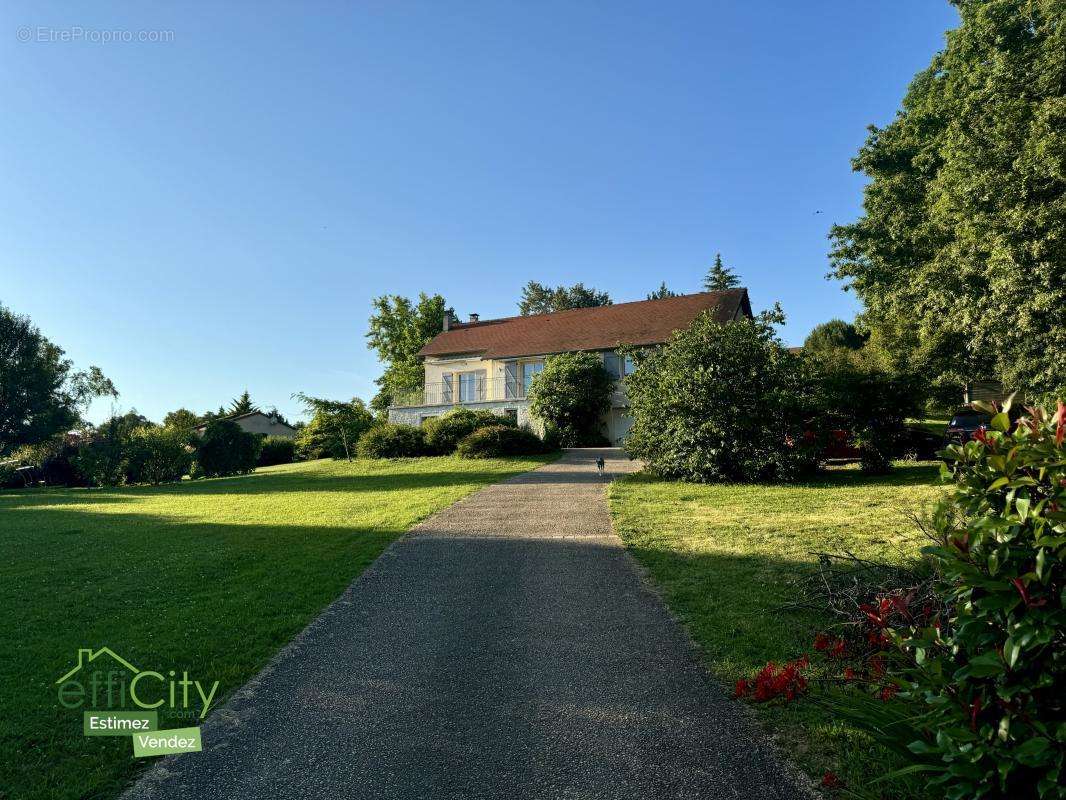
<point>243,405</point>
<point>661,293</point>
<point>720,277</point>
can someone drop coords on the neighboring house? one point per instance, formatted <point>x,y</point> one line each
<point>268,424</point>
<point>489,364</point>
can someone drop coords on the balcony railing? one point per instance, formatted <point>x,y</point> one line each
<point>463,390</point>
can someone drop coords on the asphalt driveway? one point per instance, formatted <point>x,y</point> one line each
<point>506,647</point>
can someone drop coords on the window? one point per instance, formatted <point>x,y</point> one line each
<point>610,363</point>
<point>471,386</point>
<point>628,366</point>
<point>446,388</point>
<point>529,369</point>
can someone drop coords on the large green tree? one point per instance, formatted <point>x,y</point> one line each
<point>40,394</point>
<point>399,328</point>
<point>540,299</point>
<point>960,254</point>
<point>833,335</point>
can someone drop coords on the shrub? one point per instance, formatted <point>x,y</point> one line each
<point>335,428</point>
<point>156,455</point>
<point>392,441</point>
<point>859,395</point>
<point>444,433</point>
<point>572,393</point>
<point>226,449</point>
<point>990,665</point>
<point>9,478</point>
<point>723,402</point>
<point>101,459</point>
<point>276,450</point>
<point>500,440</point>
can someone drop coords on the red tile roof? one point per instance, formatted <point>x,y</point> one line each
<point>600,328</point>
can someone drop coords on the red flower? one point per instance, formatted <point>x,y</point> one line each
<point>877,665</point>
<point>741,688</point>
<point>849,674</point>
<point>837,650</point>
<point>821,642</point>
<point>888,692</point>
<point>831,781</point>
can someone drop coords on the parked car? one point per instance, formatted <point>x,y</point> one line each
<point>965,422</point>
<point>918,444</point>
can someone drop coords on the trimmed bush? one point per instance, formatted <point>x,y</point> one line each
<point>392,441</point>
<point>276,450</point>
<point>500,440</point>
<point>572,394</point>
<point>157,455</point>
<point>444,433</point>
<point>723,402</point>
<point>225,449</point>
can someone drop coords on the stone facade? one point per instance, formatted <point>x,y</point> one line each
<point>416,415</point>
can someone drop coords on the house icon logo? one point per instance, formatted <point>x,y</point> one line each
<point>87,655</point>
<point>102,679</point>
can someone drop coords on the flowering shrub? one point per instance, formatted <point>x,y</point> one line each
<point>979,677</point>
<point>993,673</point>
<point>786,682</point>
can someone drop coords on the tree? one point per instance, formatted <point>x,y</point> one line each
<point>181,420</point>
<point>661,293</point>
<point>226,449</point>
<point>723,402</point>
<point>40,395</point>
<point>857,394</point>
<point>242,405</point>
<point>400,328</point>
<point>335,427</point>
<point>720,277</point>
<point>571,394</point>
<point>959,253</point>
<point>833,335</point>
<point>540,299</point>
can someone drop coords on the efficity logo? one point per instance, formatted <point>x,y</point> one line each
<point>118,699</point>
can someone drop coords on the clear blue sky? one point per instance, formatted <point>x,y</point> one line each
<point>214,212</point>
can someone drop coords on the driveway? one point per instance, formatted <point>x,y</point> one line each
<point>505,648</point>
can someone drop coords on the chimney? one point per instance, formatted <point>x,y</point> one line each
<point>447,319</point>
<point>473,318</point>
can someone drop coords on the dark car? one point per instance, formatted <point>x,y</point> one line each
<point>965,422</point>
<point>918,444</point>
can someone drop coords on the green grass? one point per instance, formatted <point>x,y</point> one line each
<point>727,557</point>
<point>210,576</point>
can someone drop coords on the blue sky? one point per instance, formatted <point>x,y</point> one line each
<point>214,212</point>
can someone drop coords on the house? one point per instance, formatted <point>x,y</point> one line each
<point>489,364</point>
<point>267,424</point>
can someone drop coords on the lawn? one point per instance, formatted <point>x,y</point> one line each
<point>726,558</point>
<point>211,576</point>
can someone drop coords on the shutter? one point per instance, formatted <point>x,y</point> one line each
<point>510,380</point>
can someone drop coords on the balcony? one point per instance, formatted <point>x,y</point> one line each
<point>470,389</point>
